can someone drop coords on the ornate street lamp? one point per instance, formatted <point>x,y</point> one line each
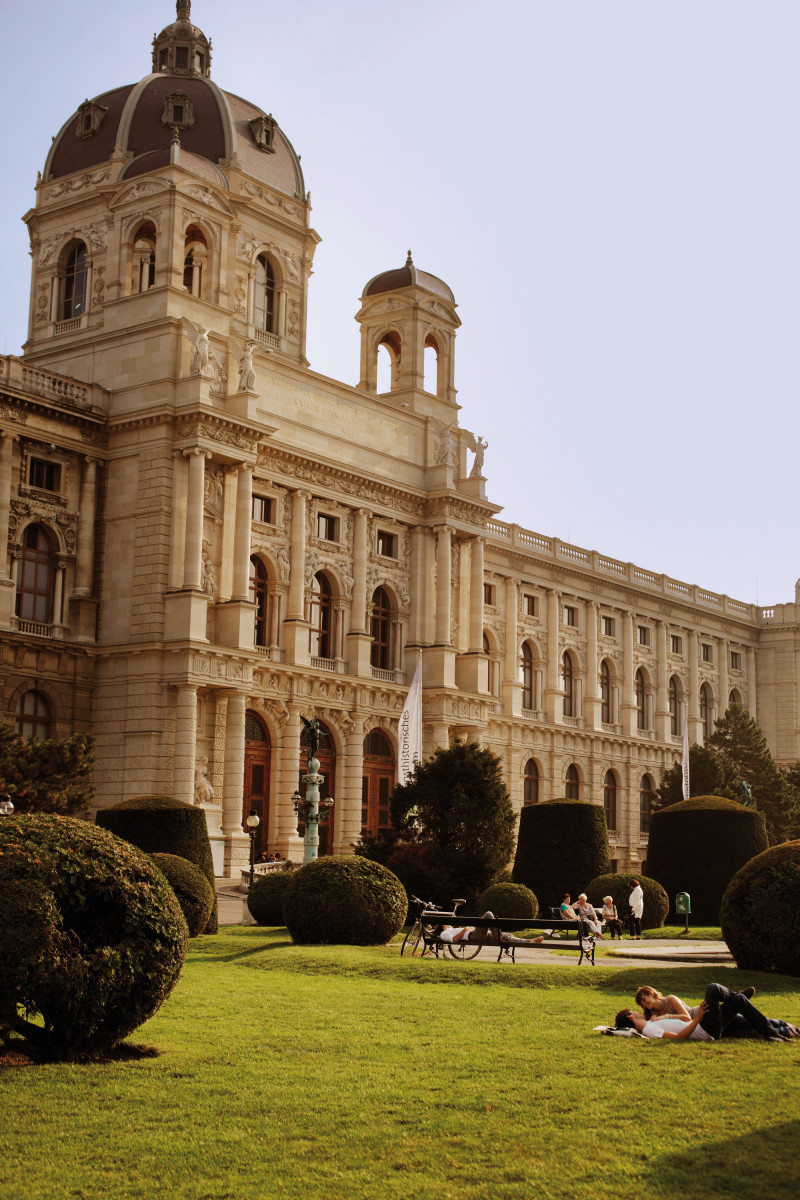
<point>6,806</point>
<point>252,822</point>
<point>308,809</point>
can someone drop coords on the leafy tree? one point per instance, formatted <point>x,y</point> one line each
<point>709,775</point>
<point>47,776</point>
<point>456,813</point>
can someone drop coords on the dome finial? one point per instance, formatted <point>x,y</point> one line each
<point>183,9</point>
<point>409,260</point>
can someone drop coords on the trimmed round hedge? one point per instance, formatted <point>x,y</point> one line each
<point>92,938</point>
<point>618,887</point>
<point>191,887</point>
<point>265,897</point>
<point>760,913</point>
<point>508,900</point>
<point>698,845</point>
<point>162,824</point>
<point>561,844</point>
<point>344,900</point>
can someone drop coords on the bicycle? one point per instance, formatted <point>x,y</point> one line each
<point>427,934</point>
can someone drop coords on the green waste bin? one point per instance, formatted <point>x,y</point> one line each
<point>683,906</point>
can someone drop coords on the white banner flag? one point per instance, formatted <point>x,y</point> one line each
<point>685,758</point>
<point>410,729</point>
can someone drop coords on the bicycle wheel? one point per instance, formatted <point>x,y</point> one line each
<point>465,950</point>
<point>412,939</point>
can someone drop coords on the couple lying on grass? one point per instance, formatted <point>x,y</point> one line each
<point>722,1013</point>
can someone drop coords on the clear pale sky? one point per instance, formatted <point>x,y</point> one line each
<point>611,191</point>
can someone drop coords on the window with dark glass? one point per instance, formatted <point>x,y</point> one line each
<point>527,676</point>
<point>646,798</point>
<point>489,593</point>
<point>380,628</point>
<point>676,644</point>
<point>262,509</point>
<point>640,697</point>
<point>610,800</point>
<point>258,596</point>
<point>529,605</point>
<point>320,617</point>
<point>387,543</point>
<point>35,576</point>
<point>45,475</point>
<point>605,693</point>
<point>573,783</point>
<point>608,626</point>
<point>644,635</point>
<point>570,615</point>
<point>707,652</point>
<point>736,660</point>
<point>569,685</point>
<point>531,783</point>
<point>327,527</point>
<point>34,717</point>
<point>73,298</point>
<point>264,296</point>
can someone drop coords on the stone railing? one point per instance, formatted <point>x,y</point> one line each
<point>555,550</point>
<point>70,393</point>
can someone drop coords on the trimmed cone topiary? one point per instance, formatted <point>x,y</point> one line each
<point>698,845</point>
<point>344,900</point>
<point>561,844</point>
<point>656,900</point>
<point>92,938</point>
<point>760,913</point>
<point>508,900</point>
<point>162,824</point>
<point>265,897</point>
<point>191,888</point>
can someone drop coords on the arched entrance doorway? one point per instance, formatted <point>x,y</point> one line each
<point>327,767</point>
<point>257,753</point>
<point>376,783</point>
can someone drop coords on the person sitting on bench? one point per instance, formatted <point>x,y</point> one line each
<point>611,917</point>
<point>567,911</point>
<point>586,910</point>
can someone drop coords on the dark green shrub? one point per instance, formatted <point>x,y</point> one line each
<point>562,843</point>
<point>92,938</point>
<point>508,900</point>
<point>191,887</point>
<point>760,913</point>
<point>418,867</point>
<point>618,887</point>
<point>162,824</point>
<point>344,900</point>
<point>265,898</point>
<point>698,845</point>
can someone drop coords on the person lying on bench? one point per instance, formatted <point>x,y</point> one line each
<point>722,1013</point>
<point>457,934</point>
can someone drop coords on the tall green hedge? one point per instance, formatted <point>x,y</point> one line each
<point>562,845</point>
<point>760,915</point>
<point>698,845</point>
<point>162,824</point>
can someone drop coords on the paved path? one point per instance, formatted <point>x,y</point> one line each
<point>646,954</point>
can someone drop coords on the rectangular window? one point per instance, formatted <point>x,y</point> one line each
<point>262,509</point>
<point>708,652</point>
<point>327,527</point>
<point>644,635</point>
<point>570,615</point>
<point>45,475</point>
<point>676,644</point>
<point>608,626</point>
<point>489,593</point>
<point>529,605</point>
<point>387,544</point>
<point>736,660</point>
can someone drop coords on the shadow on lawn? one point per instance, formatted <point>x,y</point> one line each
<point>762,1165</point>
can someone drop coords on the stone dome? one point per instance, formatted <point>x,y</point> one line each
<point>408,276</point>
<point>178,102</point>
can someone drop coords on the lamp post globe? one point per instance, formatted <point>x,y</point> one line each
<point>252,822</point>
<point>6,806</point>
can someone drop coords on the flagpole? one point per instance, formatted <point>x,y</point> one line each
<point>685,759</point>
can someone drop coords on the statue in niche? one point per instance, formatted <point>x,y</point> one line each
<point>208,582</point>
<point>203,788</point>
<point>478,447</point>
<point>198,336</point>
<point>244,357</point>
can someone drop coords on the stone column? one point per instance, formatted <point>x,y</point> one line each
<point>552,695</point>
<point>628,711</point>
<point>512,688</point>
<point>338,631</point>
<point>662,726</point>
<point>185,743</point>
<point>241,541</point>
<point>347,812</point>
<point>428,590</point>
<point>58,594</point>
<point>288,775</point>
<point>230,493</point>
<point>86,515</point>
<point>724,683</point>
<point>274,593</point>
<point>298,558</point>
<point>358,612</point>
<point>6,452</point>
<point>180,489</point>
<point>192,568</point>
<point>695,724</point>
<point>443,568</point>
<point>233,780</point>
<point>476,597</point>
<point>591,711</point>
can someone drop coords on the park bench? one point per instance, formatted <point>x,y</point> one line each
<point>489,930</point>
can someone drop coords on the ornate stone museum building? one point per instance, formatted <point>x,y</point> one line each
<point>207,540</point>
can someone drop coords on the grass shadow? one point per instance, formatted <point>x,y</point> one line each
<point>761,1165</point>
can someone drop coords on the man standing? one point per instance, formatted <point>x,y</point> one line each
<point>636,901</point>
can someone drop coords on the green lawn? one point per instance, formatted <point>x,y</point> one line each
<point>343,1073</point>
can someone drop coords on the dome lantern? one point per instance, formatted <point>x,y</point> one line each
<point>182,48</point>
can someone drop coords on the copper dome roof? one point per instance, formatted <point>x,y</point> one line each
<point>408,276</point>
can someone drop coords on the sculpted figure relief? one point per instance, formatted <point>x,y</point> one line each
<point>198,336</point>
<point>244,357</point>
<point>203,788</point>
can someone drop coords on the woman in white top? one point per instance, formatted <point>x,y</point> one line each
<point>636,900</point>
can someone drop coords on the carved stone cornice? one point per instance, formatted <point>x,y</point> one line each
<point>348,486</point>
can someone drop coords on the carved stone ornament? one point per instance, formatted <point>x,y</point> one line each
<point>42,303</point>
<point>76,183</point>
<point>13,414</point>
<point>275,199</point>
<point>247,244</point>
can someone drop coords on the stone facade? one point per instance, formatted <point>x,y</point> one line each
<point>210,540</point>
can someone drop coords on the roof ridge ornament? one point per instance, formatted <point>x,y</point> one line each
<point>409,260</point>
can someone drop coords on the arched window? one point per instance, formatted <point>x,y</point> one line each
<point>35,577</point>
<point>264,297</point>
<point>531,785</point>
<point>674,706</point>
<point>195,251</point>
<point>431,381</point>
<point>34,717</point>
<point>569,685</point>
<point>379,630</point>
<point>255,795</point>
<point>735,697</point>
<point>610,800</point>
<point>258,596</point>
<point>320,617</point>
<point>705,709</point>
<point>144,258</point>
<point>605,693</point>
<point>526,666</point>
<point>646,797</point>
<point>73,295</point>
<point>376,783</point>
<point>573,783</point>
<point>391,345</point>
<point>639,697</point>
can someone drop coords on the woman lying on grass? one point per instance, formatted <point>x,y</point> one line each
<point>721,1012</point>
